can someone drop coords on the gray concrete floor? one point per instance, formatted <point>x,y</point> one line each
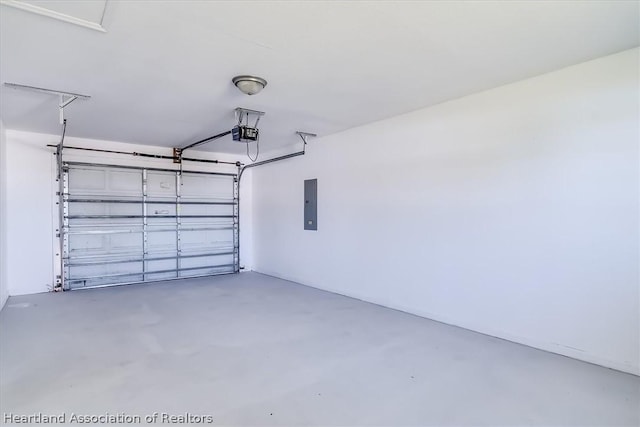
<point>255,350</point>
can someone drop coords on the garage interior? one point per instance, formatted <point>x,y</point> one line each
<point>325,213</point>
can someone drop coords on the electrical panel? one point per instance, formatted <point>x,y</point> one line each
<point>311,204</point>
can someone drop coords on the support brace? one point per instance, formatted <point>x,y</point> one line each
<point>242,116</point>
<point>64,101</point>
<point>302,135</point>
<point>66,98</point>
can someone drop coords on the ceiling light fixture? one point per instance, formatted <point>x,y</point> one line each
<point>249,84</point>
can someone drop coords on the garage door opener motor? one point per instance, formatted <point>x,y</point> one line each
<point>243,132</point>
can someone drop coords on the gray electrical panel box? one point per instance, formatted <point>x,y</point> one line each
<point>311,204</point>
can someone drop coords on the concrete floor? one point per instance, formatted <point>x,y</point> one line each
<point>255,350</point>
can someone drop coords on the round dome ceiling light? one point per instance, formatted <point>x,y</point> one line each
<point>249,84</point>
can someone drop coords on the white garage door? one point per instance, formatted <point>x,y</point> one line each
<point>128,224</point>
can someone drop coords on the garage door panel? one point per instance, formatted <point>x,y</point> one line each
<point>108,281</point>
<point>205,262</point>
<point>164,209</point>
<point>207,271</point>
<point>87,181</point>
<point>206,222</point>
<point>81,271</point>
<point>111,225</point>
<point>187,209</point>
<point>161,242</point>
<point>105,208</point>
<point>124,243</point>
<point>124,183</point>
<point>116,182</point>
<point>161,276</point>
<point>161,185</point>
<point>119,221</point>
<point>161,265</point>
<point>104,245</point>
<point>87,244</point>
<point>203,187</point>
<point>206,239</point>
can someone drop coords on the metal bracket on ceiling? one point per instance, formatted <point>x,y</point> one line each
<point>242,116</point>
<point>66,98</point>
<point>305,135</point>
<point>64,101</point>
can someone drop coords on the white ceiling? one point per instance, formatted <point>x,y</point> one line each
<point>161,74</point>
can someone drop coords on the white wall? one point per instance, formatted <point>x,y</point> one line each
<point>31,214</point>
<point>29,222</point>
<point>513,212</point>
<point>4,291</point>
